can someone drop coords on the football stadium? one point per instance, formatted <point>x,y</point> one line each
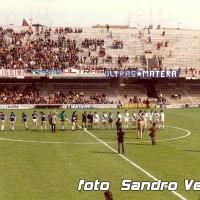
<point>106,111</point>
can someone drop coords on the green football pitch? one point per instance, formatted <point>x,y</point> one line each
<point>41,165</point>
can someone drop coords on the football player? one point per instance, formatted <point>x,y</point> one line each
<point>25,120</point>
<point>162,120</point>
<point>62,117</point>
<point>96,120</point>
<point>151,116</point>
<point>90,120</point>
<point>74,121</point>
<point>134,120</point>
<point>104,120</point>
<point>34,120</point>
<point>3,120</point>
<point>157,119</point>
<point>84,120</point>
<point>126,119</point>
<point>110,120</point>
<point>43,121</point>
<point>12,121</point>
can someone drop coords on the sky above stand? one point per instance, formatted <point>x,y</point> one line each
<point>170,13</point>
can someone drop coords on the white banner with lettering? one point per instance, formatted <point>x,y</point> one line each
<point>12,73</point>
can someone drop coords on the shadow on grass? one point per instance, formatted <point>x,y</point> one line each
<point>103,152</point>
<point>104,138</point>
<point>138,143</point>
<point>190,150</point>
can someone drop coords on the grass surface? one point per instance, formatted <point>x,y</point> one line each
<point>40,171</point>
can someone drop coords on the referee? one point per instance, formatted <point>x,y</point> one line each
<point>120,138</point>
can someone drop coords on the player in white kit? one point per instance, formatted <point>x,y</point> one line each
<point>145,115</point>
<point>140,114</point>
<point>157,119</point>
<point>162,120</point>
<point>96,120</point>
<point>104,120</point>
<point>126,119</point>
<point>134,120</point>
<point>150,116</point>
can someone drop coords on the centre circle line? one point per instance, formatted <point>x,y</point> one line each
<point>90,143</point>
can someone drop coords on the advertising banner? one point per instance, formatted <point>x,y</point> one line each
<point>137,105</point>
<point>17,106</point>
<point>12,73</point>
<point>45,72</point>
<point>89,106</point>
<point>142,74</point>
<point>83,71</point>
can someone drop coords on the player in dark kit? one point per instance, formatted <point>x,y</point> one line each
<point>118,121</point>
<point>110,120</point>
<point>25,120</point>
<point>120,138</point>
<point>84,120</point>
<point>3,120</point>
<point>74,121</point>
<point>50,118</point>
<point>43,121</point>
<point>12,121</point>
<point>90,120</point>
<point>34,120</point>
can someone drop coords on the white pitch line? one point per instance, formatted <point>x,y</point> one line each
<point>95,143</point>
<point>112,149</point>
<point>132,163</point>
<point>162,140</point>
<point>33,141</point>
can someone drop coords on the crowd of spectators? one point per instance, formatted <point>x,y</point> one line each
<point>160,99</point>
<point>18,95</point>
<point>78,98</point>
<point>108,59</point>
<point>92,42</point>
<point>68,30</point>
<point>162,44</point>
<point>192,72</point>
<point>94,60</point>
<point>43,50</point>
<point>118,44</point>
<point>18,52</point>
<point>137,100</point>
<point>32,95</point>
<point>122,59</point>
<point>50,49</point>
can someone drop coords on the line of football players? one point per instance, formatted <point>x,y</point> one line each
<point>24,120</point>
<point>134,120</point>
<point>90,120</point>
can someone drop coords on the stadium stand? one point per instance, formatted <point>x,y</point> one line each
<point>94,46</point>
<point>175,48</point>
<point>193,92</point>
<point>173,94</point>
<point>100,48</point>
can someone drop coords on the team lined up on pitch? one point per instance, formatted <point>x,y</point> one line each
<point>139,121</point>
